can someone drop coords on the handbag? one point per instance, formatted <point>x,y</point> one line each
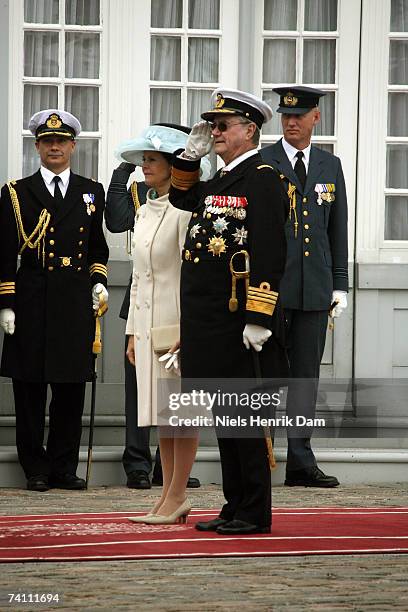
<point>164,337</point>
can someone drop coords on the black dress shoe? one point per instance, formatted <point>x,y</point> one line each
<point>38,483</point>
<point>211,525</point>
<point>67,481</point>
<point>193,483</point>
<point>138,479</point>
<point>310,477</point>
<point>237,527</point>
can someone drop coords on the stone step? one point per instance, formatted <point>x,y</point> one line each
<point>351,466</point>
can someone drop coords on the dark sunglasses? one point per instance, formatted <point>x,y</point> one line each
<point>223,126</point>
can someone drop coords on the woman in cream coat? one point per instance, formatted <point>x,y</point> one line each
<point>158,239</point>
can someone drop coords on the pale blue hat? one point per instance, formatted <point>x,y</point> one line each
<point>157,138</point>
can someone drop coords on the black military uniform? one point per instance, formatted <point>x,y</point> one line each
<point>244,209</point>
<point>316,233</point>
<point>63,255</point>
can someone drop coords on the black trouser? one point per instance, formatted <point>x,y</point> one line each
<point>65,413</point>
<point>136,455</point>
<point>306,340</point>
<point>246,480</point>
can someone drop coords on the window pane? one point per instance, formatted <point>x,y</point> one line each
<point>83,102</point>
<point>41,11</point>
<point>84,161</point>
<point>36,98</point>
<point>321,15</point>
<point>319,61</point>
<point>165,58</point>
<point>82,12</point>
<point>165,105</point>
<point>203,60</point>
<point>399,16</point>
<point>198,101</point>
<point>31,160</point>
<point>274,125</point>
<point>397,164</point>
<point>41,54</point>
<point>325,127</point>
<point>324,146</point>
<point>397,114</point>
<point>280,15</point>
<point>82,55</point>
<point>167,14</point>
<point>279,61</point>
<point>396,218</point>
<point>204,14</point>
<point>398,72</point>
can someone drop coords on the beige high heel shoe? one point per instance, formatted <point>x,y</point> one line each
<point>178,516</point>
<point>141,519</point>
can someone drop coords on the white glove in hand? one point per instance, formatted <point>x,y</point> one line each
<point>255,336</point>
<point>199,141</point>
<point>172,361</point>
<point>99,290</point>
<point>7,318</point>
<point>341,298</point>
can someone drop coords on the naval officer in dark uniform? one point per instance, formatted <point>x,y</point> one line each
<point>243,208</point>
<point>53,220</point>
<point>316,275</point>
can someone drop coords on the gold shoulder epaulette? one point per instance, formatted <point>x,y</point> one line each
<point>13,182</point>
<point>265,166</point>
<point>135,195</point>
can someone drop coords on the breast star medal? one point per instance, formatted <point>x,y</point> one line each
<point>220,225</point>
<point>240,235</point>
<point>217,245</point>
<point>194,230</point>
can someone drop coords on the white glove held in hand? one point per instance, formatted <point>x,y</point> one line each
<point>341,298</point>
<point>199,141</point>
<point>7,318</point>
<point>99,290</point>
<point>172,361</point>
<point>255,336</point>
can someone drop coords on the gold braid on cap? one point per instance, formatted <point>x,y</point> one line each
<point>38,232</point>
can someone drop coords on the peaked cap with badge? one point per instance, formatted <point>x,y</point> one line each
<point>54,122</point>
<point>63,254</point>
<point>235,102</point>
<point>298,100</point>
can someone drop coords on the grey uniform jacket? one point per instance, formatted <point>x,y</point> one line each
<point>317,257</point>
<point>120,214</point>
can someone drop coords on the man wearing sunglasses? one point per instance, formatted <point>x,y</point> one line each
<point>238,218</point>
<point>316,276</point>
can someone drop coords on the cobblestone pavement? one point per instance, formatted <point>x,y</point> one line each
<point>317,583</point>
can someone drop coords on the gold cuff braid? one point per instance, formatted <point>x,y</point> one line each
<point>262,299</point>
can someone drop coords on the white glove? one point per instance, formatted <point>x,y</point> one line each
<point>99,290</point>
<point>340,297</point>
<point>199,141</point>
<point>255,336</point>
<point>7,318</point>
<point>172,361</point>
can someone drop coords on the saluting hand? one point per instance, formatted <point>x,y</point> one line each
<point>199,141</point>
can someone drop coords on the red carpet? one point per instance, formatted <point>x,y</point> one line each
<point>295,531</point>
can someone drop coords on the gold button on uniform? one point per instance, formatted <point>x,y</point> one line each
<point>52,242</point>
<point>79,269</point>
<point>195,215</point>
<point>305,213</point>
<point>307,253</point>
<point>198,245</point>
<point>79,255</point>
<point>306,226</point>
<point>52,230</point>
<point>204,231</point>
<point>307,240</point>
<point>50,255</point>
<point>81,229</point>
<point>80,243</point>
<point>187,255</point>
<point>208,215</point>
<point>196,259</point>
<point>50,268</point>
<point>304,200</point>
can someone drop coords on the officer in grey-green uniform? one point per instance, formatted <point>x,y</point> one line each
<point>316,277</point>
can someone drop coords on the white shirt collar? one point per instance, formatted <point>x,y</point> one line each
<point>291,153</point>
<point>235,162</point>
<point>48,176</point>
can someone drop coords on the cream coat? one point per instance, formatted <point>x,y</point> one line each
<point>158,239</point>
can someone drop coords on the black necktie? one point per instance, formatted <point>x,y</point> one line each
<point>58,199</point>
<point>300,168</point>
